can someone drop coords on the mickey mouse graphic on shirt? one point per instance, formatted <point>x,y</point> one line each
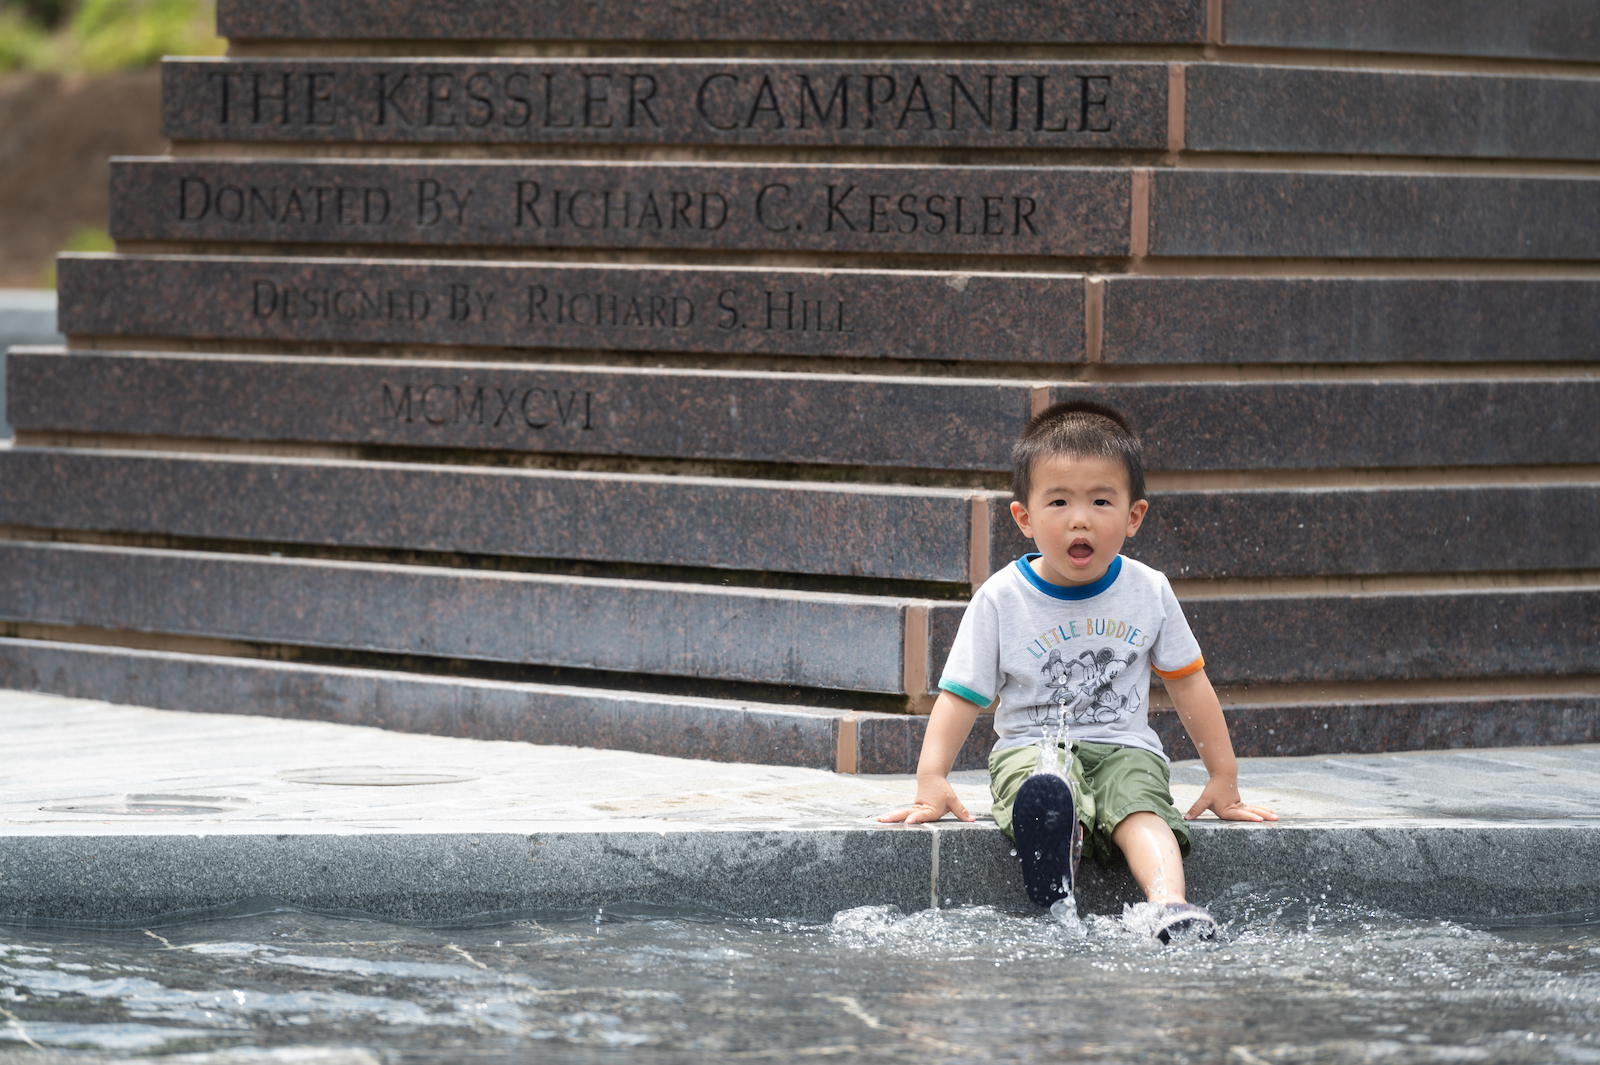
<point>1083,685</point>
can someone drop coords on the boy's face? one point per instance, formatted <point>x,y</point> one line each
<point>1078,514</point>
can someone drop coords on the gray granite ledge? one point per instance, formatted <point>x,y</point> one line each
<point>515,828</point>
<point>958,21</point>
<point>1067,211</point>
<point>731,730</point>
<point>1260,108</point>
<point>837,640</point>
<point>1007,317</point>
<point>1204,213</point>
<point>1436,868</point>
<point>700,727</point>
<point>882,103</point>
<point>1532,29</point>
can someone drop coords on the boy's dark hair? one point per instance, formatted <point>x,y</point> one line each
<point>1080,429</point>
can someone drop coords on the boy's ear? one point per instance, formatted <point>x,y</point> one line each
<point>1019,514</point>
<point>1136,515</point>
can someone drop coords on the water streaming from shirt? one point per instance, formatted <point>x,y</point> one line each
<point>1055,756</point>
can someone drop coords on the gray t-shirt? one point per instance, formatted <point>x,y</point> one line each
<point>1032,648</point>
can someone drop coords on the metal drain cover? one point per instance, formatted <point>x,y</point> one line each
<point>378,776</point>
<point>151,806</point>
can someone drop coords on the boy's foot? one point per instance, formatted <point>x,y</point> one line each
<point>1044,821</point>
<point>1184,920</point>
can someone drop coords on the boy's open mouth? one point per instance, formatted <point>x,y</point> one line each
<point>1080,552</point>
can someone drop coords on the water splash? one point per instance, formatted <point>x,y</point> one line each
<point>1065,911</point>
<point>1143,918</point>
<point>962,930</point>
<point>1055,744</point>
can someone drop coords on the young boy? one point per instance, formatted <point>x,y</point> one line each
<point>1073,633</point>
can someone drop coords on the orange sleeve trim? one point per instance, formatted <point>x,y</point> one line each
<point>1193,667</point>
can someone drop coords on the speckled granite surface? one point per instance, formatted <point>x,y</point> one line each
<point>771,636</point>
<point>727,730</point>
<point>816,639</point>
<point>881,531</point>
<point>876,531</point>
<point>1247,108</point>
<point>853,314</point>
<point>705,728</point>
<point>1075,211</point>
<point>1379,216</point>
<point>1333,636</point>
<point>881,103</point>
<point>1540,29</point>
<point>1354,531</point>
<point>939,423</point>
<point>1359,321</point>
<point>1156,21</point>
<point>1399,724</point>
<point>844,419</point>
<point>1249,425</point>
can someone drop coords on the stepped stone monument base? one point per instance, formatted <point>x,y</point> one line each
<point>644,376</point>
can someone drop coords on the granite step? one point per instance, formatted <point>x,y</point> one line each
<point>1174,320</point>
<point>750,416</point>
<point>1286,638</point>
<point>1350,532</point>
<point>1543,29</point>
<point>873,315</point>
<point>938,423</point>
<point>1297,214</point>
<point>1240,107</point>
<point>1268,729</point>
<point>979,317</point>
<point>890,103</point>
<point>699,727</point>
<point>1534,29</point>
<point>1342,423</point>
<point>1063,211</point>
<point>877,532</point>
<point>777,637</point>
<point>1127,105</point>
<point>883,644</point>
<point>873,532</point>
<point>27,316</point>
<point>728,730</point>
<point>941,21</point>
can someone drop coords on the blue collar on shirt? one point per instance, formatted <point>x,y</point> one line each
<point>1078,591</point>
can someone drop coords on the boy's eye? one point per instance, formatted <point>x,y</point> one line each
<point>1102,502</point>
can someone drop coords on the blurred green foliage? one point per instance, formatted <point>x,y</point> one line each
<point>97,36</point>
<point>84,238</point>
<point>23,39</point>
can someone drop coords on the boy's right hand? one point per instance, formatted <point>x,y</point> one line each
<point>935,798</point>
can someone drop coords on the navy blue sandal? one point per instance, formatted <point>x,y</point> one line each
<point>1044,823</point>
<point>1184,920</point>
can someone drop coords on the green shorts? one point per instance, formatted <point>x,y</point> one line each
<point>1110,783</point>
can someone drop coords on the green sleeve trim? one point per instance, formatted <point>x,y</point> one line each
<point>966,693</point>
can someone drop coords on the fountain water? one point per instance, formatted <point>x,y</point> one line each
<point>1292,979</point>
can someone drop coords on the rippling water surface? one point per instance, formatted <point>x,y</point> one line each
<point>1290,981</point>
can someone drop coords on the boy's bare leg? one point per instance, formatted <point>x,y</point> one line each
<point>1153,856</point>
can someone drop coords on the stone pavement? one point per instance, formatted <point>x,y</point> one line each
<point>127,814</point>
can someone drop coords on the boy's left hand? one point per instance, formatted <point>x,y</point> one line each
<point>1221,797</point>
